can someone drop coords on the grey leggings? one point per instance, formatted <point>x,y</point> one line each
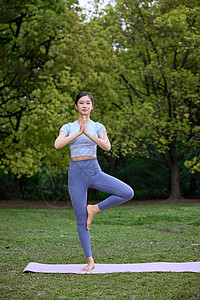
<point>87,173</point>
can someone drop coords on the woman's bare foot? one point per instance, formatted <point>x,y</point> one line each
<point>90,264</point>
<point>92,210</point>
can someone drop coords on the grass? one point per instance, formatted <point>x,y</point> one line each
<point>124,234</point>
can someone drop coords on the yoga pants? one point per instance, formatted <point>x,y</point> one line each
<point>86,174</point>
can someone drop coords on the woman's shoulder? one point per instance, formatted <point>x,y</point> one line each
<point>96,124</point>
<point>99,127</point>
<point>66,127</point>
<point>71,123</point>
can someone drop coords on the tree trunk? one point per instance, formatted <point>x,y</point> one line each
<point>175,195</point>
<point>113,162</point>
<point>17,188</point>
<point>112,165</point>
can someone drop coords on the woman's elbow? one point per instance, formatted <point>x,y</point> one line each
<point>56,146</point>
<point>107,148</point>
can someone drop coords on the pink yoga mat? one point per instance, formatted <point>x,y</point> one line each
<point>115,268</point>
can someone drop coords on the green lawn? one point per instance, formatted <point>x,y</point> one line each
<point>124,234</point>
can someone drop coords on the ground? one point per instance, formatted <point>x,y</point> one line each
<point>64,204</point>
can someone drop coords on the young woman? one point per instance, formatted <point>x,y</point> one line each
<point>84,171</point>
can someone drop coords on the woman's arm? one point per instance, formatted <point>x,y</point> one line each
<point>63,139</point>
<point>102,141</point>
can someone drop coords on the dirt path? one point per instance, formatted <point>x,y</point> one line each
<point>66,205</point>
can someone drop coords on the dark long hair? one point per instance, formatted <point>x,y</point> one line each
<point>82,94</point>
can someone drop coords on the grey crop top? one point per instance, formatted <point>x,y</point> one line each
<point>83,145</point>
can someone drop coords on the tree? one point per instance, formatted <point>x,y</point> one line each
<point>47,56</point>
<point>29,30</point>
<point>157,43</point>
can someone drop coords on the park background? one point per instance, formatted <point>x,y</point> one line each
<point>140,60</point>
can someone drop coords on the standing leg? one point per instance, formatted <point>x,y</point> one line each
<point>78,194</point>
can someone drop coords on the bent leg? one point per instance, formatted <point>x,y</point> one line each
<point>78,195</point>
<point>120,191</point>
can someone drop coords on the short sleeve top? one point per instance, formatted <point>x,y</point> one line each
<point>83,145</point>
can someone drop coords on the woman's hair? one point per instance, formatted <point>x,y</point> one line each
<point>82,94</point>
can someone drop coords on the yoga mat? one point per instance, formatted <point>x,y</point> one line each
<point>114,268</point>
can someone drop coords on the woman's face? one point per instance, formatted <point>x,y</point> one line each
<point>84,105</point>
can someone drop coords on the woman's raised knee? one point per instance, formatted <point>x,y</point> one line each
<point>129,193</point>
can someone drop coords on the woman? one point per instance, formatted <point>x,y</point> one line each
<point>84,171</point>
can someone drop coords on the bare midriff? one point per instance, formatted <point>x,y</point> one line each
<point>78,158</point>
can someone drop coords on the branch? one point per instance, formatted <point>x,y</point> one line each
<point>163,51</point>
<point>153,85</point>
<point>116,105</point>
<point>185,56</point>
<point>4,133</point>
<point>10,98</point>
<point>11,82</point>
<point>164,160</point>
<point>174,62</point>
<point>168,96</point>
<point>130,86</point>
<point>18,22</point>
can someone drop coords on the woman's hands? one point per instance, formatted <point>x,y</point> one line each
<point>83,126</point>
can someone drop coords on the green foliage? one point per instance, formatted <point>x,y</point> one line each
<point>49,56</point>
<point>30,31</point>
<point>157,44</point>
<point>159,49</point>
<point>140,61</point>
